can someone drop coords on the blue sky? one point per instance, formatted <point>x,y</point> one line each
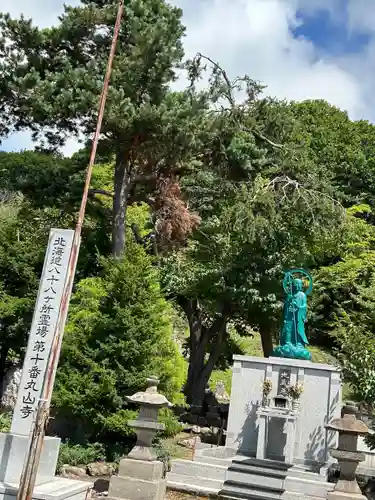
<point>301,49</point>
<point>330,35</point>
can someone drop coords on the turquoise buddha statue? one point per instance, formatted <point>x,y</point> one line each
<point>293,339</point>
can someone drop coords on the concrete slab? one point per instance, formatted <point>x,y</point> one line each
<point>58,489</point>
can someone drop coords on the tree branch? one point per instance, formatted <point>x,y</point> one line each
<point>232,102</point>
<point>93,192</point>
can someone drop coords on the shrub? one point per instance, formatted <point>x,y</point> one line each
<point>172,425</point>
<point>5,421</point>
<point>119,333</point>
<point>76,454</point>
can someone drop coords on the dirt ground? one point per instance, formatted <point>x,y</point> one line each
<point>175,495</point>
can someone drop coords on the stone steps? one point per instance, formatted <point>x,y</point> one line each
<point>255,479</point>
<point>246,478</point>
<point>233,489</point>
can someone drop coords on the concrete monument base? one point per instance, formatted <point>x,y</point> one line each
<point>138,480</point>
<point>13,448</point>
<point>320,403</point>
<point>58,489</point>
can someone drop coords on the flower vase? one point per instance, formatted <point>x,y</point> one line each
<point>266,401</point>
<point>295,404</point>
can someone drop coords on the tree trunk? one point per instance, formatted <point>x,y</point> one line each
<point>120,203</point>
<point>200,369</point>
<point>266,339</point>
<point>197,377</point>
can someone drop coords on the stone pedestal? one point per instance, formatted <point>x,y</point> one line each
<point>138,480</point>
<point>13,448</point>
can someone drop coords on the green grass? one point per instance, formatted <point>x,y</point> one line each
<point>174,449</point>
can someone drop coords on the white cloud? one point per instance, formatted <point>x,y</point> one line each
<point>362,16</point>
<point>255,37</point>
<point>43,12</point>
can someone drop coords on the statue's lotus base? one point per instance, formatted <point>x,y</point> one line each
<point>292,351</point>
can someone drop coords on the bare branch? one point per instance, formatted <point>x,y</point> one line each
<point>229,95</point>
<point>228,83</point>
<point>265,139</point>
<point>284,183</point>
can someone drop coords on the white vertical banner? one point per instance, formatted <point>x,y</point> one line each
<point>43,327</point>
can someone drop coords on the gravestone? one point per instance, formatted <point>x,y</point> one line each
<point>14,445</point>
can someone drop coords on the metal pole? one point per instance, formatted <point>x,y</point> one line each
<point>31,464</point>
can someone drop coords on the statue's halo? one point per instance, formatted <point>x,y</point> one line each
<point>289,274</point>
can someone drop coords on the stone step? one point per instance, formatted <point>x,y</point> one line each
<point>301,473</point>
<point>224,462</point>
<point>264,490</point>
<point>267,465</point>
<point>242,476</point>
<point>250,496</point>
<point>308,487</point>
<point>249,491</point>
<point>257,469</point>
<point>198,482</point>
<point>199,469</point>
<point>192,489</point>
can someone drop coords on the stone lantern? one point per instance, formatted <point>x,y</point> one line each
<point>349,428</point>
<point>141,475</point>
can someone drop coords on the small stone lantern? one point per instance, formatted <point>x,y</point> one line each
<point>349,428</point>
<point>141,475</point>
<point>146,426</point>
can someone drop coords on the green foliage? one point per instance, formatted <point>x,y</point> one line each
<point>61,87</point>
<point>270,181</point>
<point>172,425</point>
<point>151,132</point>
<point>227,264</point>
<point>23,236</point>
<point>5,422</point>
<point>79,455</point>
<point>44,179</point>
<point>163,455</point>
<point>345,289</point>
<point>341,150</point>
<point>356,354</point>
<point>119,333</point>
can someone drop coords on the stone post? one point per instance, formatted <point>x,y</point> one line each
<point>141,475</point>
<point>349,428</point>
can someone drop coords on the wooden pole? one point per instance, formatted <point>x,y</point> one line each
<point>32,459</point>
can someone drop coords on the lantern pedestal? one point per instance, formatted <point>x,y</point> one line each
<point>138,480</point>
